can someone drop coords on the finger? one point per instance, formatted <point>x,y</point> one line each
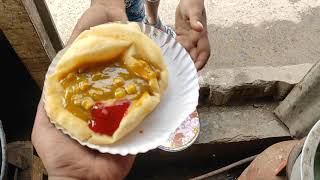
<point>201,60</point>
<point>194,54</point>
<point>203,48</point>
<point>42,127</point>
<point>38,121</point>
<point>126,161</point>
<point>41,122</point>
<point>186,43</point>
<point>195,36</point>
<point>119,164</point>
<point>195,18</point>
<point>41,116</point>
<point>203,44</point>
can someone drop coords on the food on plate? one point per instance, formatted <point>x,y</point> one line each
<point>106,83</point>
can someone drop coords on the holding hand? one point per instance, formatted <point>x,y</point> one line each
<point>191,29</point>
<point>63,157</point>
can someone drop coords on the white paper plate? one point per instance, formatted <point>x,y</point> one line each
<point>178,102</point>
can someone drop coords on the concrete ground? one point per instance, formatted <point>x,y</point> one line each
<point>242,32</point>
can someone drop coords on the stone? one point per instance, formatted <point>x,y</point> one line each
<point>266,165</point>
<point>241,122</point>
<point>300,110</point>
<point>222,85</point>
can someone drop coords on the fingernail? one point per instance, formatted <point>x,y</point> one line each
<point>200,24</point>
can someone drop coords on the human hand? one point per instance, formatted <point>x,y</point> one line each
<point>64,158</point>
<point>191,29</point>
<point>100,12</point>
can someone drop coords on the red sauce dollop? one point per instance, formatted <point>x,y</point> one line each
<point>106,119</point>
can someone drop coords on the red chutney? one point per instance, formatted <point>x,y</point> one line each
<point>106,119</point>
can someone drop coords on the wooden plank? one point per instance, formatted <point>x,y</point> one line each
<point>38,170</point>
<point>49,24</point>
<point>20,154</point>
<point>34,16</point>
<point>22,35</point>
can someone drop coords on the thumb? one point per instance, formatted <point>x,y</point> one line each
<point>195,19</point>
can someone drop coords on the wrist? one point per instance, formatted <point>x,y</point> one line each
<point>110,10</point>
<point>191,3</point>
<point>109,4</point>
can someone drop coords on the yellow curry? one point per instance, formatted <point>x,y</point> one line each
<point>96,83</point>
